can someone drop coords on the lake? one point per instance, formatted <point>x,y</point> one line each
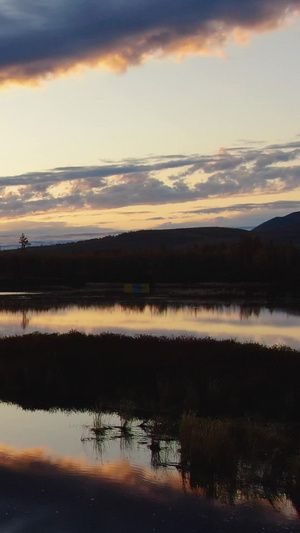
<point>243,322</point>
<point>61,475</point>
<point>58,477</point>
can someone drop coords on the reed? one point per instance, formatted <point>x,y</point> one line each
<point>154,375</point>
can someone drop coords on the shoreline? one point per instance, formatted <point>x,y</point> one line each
<point>243,294</point>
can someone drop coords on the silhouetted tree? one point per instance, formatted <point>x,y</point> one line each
<point>23,240</point>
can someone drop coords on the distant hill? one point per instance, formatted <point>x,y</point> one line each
<point>179,256</point>
<point>180,239</point>
<point>280,230</point>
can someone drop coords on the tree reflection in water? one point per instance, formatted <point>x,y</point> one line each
<point>25,320</point>
<point>244,321</point>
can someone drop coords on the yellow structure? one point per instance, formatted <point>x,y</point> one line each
<point>137,288</point>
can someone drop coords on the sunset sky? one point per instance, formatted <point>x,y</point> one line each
<point>127,114</point>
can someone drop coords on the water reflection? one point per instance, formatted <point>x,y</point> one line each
<point>42,489</point>
<point>228,462</point>
<point>244,322</point>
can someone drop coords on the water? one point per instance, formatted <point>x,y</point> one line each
<point>57,477</point>
<point>245,323</point>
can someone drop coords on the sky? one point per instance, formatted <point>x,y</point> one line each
<point>118,115</point>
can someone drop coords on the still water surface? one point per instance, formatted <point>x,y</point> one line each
<point>245,323</point>
<point>55,477</point>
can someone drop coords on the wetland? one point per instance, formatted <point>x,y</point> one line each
<point>140,414</point>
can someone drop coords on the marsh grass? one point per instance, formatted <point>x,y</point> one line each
<point>227,459</point>
<point>155,375</point>
<point>233,408</point>
<point>98,428</point>
<point>238,456</point>
<point>126,411</point>
<point>207,444</point>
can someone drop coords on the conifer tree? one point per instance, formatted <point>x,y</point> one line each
<point>23,240</point>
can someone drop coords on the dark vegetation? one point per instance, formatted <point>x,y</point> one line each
<point>279,230</point>
<point>269,253</point>
<point>231,459</point>
<point>157,375</point>
<point>250,260</point>
<point>233,408</point>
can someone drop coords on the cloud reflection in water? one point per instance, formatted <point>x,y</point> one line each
<point>245,323</point>
<point>40,491</point>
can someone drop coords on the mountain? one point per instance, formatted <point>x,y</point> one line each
<point>180,239</point>
<point>280,230</point>
<point>288,221</point>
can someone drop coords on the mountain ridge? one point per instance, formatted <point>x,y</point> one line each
<point>279,230</point>
<point>279,222</point>
<point>152,239</point>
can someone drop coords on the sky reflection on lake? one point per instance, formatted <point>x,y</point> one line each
<point>267,326</point>
<point>52,479</point>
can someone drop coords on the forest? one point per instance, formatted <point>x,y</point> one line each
<point>248,260</point>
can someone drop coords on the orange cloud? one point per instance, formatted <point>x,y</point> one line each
<point>38,42</point>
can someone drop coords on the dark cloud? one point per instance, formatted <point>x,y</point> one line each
<point>42,39</point>
<point>284,146</point>
<point>155,181</point>
<point>246,216</point>
<point>96,174</point>
<point>155,218</point>
<point>287,205</point>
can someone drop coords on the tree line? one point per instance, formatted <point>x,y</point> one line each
<point>249,260</point>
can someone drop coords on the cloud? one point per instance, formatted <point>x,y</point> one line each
<point>238,215</point>
<point>272,169</point>
<point>287,205</point>
<point>43,39</point>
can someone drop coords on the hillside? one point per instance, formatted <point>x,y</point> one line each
<point>186,255</point>
<point>176,239</point>
<point>280,230</point>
